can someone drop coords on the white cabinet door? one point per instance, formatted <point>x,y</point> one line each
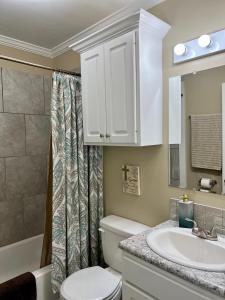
<point>93,100</point>
<point>121,89</point>
<point>132,293</point>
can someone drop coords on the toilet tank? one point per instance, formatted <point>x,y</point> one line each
<point>113,230</point>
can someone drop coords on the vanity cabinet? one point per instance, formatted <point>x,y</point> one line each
<point>143,281</point>
<point>121,68</point>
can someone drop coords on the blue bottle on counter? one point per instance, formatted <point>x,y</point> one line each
<point>185,210</point>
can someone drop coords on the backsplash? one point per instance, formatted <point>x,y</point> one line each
<point>205,216</point>
<point>24,135</point>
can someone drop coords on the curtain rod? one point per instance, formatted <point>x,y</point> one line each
<point>23,62</point>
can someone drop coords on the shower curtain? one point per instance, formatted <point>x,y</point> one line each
<point>46,255</point>
<point>77,185</point>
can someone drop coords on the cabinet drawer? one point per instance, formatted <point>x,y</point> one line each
<point>161,284</point>
<point>131,293</point>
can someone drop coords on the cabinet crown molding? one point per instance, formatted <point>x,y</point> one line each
<point>141,18</point>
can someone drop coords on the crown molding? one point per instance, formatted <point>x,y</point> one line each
<point>61,48</point>
<point>116,17</point>
<point>131,22</point>
<point>14,43</point>
<point>119,15</point>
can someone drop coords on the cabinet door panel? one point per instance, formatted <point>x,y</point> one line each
<point>93,90</point>
<point>132,293</point>
<point>121,89</point>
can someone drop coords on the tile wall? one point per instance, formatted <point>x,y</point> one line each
<point>24,141</point>
<point>205,216</point>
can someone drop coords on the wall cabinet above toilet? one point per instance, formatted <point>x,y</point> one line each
<point>121,68</point>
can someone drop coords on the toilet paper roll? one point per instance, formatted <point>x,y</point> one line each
<point>206,183</point>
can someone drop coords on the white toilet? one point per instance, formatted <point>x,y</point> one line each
<point>96,283</point>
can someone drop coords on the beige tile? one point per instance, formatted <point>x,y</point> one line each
<point>12,135</point>
<point>26,176</point>
<point>199,211</point>
<point>2,180</point>
<point>37,134</point>
<point>200,222</point>
<point>213,217</point>
<point>213,211</point>
<point>221,231</point>
<point>48,94</point>
<point>11,222</point>
<point>22,92</point>
<point>199,215</point>
<point>173,210</point>
<point>34,215</point>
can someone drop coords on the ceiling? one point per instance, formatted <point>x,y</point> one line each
<point>47,23</point>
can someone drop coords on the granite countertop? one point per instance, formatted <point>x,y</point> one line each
<point>137,246</point>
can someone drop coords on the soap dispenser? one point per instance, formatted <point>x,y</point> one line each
<point>185,210</point>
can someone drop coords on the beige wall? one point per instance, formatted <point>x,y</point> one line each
<point>27,56</point>
<point>188,19</point>
<point>68,61</point>
<point>203,91</point>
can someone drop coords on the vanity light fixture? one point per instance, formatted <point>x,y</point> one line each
<point>204,41</point>
<point>206,44</point>
<point>180,50</point>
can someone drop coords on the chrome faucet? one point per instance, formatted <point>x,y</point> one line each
<point>210,235</point>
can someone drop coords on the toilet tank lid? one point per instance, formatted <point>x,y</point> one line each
<point>122,226</point>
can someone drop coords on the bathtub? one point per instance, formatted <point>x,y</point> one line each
<point>25,256</point>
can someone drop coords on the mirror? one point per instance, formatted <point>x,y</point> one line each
<point>196,141</point>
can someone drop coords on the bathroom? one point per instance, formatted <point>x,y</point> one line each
<point>31,50</point>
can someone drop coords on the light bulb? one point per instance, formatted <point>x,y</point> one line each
<point>180,49</point>
<point>204,41</point>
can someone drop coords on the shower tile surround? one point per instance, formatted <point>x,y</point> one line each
<point>205,216</point>
<point>24,141</point>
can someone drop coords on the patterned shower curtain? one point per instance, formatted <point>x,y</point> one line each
<point>77,185</point>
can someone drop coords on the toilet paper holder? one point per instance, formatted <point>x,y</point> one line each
<point>206,184</point>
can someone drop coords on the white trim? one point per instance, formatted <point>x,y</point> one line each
<point>175,110</point>
<point>183,145</point>
<point>61,48</point>
<point>14,43</point>
<point>112,28</point>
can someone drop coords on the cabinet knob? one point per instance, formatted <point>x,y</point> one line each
<point>102,135</point>
<point>107,135</point>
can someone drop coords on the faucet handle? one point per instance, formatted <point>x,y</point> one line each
<point>213,233</point>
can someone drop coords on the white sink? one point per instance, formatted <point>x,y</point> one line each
<point>181,246</point>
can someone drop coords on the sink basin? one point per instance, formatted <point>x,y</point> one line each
<point>181,246</point>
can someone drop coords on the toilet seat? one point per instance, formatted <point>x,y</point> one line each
<point>92,284</point>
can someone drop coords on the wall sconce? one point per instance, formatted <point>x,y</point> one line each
<point>206,44</point>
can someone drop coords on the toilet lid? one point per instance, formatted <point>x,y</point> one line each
<point>90,284</point>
